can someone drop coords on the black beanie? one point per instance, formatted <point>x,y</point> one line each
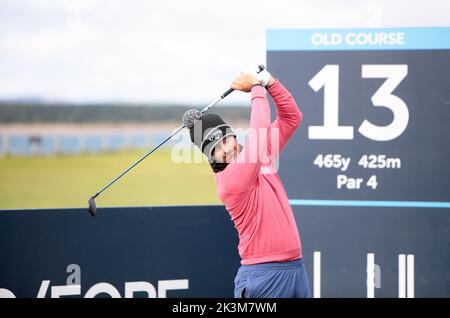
<point>207,133</point>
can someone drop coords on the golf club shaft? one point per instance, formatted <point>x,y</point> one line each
<point>163,142</point>
<point>225,94</point>
<point>138,161</point>
<point>260,69</point>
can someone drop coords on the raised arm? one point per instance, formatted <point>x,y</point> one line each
<point>288,118</point>
<point>241,174</point>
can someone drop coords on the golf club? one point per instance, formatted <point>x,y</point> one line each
<point>190,117</point>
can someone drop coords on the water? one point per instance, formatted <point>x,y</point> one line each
<point>26,145</point>
<point>29,145</point>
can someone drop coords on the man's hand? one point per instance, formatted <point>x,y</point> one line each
<point>244,82</point>
<point>271,81</point>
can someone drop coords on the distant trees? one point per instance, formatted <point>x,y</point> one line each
<point>42,113</point>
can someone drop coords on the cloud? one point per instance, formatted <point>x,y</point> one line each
<point>163,51</point>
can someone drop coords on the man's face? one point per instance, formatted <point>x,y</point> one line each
<point>226,150</point>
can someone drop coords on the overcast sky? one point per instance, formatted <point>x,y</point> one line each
<point>165,51</point>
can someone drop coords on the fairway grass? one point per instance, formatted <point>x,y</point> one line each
<point>67,181</point>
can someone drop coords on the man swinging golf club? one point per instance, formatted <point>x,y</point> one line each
<point>249,186</point>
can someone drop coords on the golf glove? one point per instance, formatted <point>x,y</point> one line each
<point>263,77</point>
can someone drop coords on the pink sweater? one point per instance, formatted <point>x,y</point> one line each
<point>250,186</point>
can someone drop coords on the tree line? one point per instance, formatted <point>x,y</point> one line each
<point>108,113</point>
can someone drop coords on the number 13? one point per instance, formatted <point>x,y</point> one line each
<point>328,78</point>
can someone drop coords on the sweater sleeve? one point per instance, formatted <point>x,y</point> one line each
<point>288,118</point>
<point>241,174</point>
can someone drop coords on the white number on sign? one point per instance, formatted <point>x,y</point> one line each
<point>383,98</point>
<point>372,182</point>
<point>328,78</point>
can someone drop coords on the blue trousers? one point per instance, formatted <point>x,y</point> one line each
<point>272,280</point>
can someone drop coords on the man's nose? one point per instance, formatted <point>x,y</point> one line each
<point>227,149</point>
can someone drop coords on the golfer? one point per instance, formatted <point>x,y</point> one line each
<point>251,190</point>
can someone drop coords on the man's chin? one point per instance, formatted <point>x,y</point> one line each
<point>230,159</point>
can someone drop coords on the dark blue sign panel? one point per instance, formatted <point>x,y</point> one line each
<point>375,121</point>
<point>374,137</point>
<point>192,252</point>
<point>122,252</point>
<point>375,115</point>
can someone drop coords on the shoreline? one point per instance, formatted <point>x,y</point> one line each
<point>65,128</point>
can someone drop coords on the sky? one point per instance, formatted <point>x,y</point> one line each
<point>171,51</point>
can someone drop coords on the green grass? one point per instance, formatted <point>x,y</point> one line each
<point>69,180</point>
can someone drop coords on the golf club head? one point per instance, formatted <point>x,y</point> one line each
<point>191,117</point>
<point>92,206</point>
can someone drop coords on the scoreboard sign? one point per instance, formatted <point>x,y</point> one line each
<point>368,171</point>
<point>376,106</point>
